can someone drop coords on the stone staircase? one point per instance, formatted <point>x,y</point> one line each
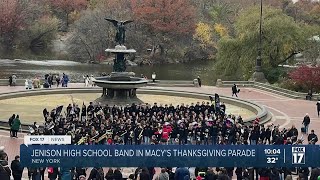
<point>269,88</point>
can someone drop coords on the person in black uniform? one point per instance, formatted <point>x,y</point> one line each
<point>206,135</point>
<point>130,135</point>
<point>138,135</point>
<point>182,134</point>
<point>199,134</point>
<point>121,133</point>
<point>235,90</point>
<point>83,112</point>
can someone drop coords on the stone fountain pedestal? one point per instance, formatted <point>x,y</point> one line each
<point>119,88</point>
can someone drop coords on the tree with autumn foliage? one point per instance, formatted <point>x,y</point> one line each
<point>24,27</point>
<point>66,7</point>
<point>165,16</point>
<point>12,19</point>
<point>204,34</point>
<point>306,77</point>
<point>165,21</point>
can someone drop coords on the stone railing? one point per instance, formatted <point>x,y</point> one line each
<point>269,88</point>
<point>164,83</point>
<point>259,111</point>
<point>170,83</point>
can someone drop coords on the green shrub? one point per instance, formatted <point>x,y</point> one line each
<point>274,74</point>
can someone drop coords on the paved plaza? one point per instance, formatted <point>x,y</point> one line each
<point>286,111</point>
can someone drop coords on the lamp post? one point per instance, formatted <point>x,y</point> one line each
<point>259,59</point>
<point>258,74</point>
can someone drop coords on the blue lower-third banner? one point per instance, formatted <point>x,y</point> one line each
<point>169,156</point>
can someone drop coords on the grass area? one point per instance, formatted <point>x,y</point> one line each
<point>30,108</point>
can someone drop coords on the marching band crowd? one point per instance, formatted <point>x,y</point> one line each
<point>200,124</point>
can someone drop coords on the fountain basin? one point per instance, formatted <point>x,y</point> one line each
<point>119,88</point>
<point>121,49</point>
<point>121,82</point>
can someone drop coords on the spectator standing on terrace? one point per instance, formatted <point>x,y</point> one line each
<point>5,171</point>
<point>96,174</point>
<point>16,168</point>
<point>86,81</point>
<point>303,173</point>
<point>144,175</point>
<point>318,107</point>
<point>306,122</point>
<point>153,77</point>
<point>65,80</point>
<point>312,138</point>
<point>15,126</point>
<point>210,175</point>
<point>10,123</point>
<point>315,174</point>
<point>182,173</point>
<point>58,80</point>
<point>163,175</point>
<point>53,173</point>
<point>91,83</point>
<point>109,175</point>
<point>117,175</point>
<point>10,80</point>
<point>199,81</point>
<point>14,80</point>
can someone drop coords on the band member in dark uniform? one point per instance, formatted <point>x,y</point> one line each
<point>198,135</point>
<point>118,140</point>
<point>129,135</point>
<point>206,135</point>
<point>121,133</point>
<point>147,134</point>
<point>83,112</point>
<point>103,131</point>
<point>138,134</point>
<point>182,136</point>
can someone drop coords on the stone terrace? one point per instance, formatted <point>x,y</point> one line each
<point>286,111</point>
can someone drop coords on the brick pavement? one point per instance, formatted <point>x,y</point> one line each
<point>286,111</point>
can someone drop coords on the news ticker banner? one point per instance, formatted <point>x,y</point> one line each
<point>169,156</point>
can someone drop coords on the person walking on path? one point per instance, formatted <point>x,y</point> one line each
<point>306,122</point>
<point>16,168</point>
<point>318,107</point>
<point>235,90</point>
<point>15,126</point>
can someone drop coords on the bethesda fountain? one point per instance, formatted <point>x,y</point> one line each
<point>120,86</point>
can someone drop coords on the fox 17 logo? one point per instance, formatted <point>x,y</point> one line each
<point>298,155</point>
